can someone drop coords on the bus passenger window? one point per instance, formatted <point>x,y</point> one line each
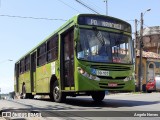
<point>41,59</point>
<point>27,63</point>
<point>22,66</point>
<point>52,49</point>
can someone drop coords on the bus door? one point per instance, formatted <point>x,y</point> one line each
<point>33,71</point>
<point>67,60</point>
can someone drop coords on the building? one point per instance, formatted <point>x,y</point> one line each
<point>150,55</point>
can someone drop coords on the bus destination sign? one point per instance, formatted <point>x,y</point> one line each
<point>104,22</point>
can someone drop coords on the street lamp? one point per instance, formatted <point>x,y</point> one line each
<point>10,60</point>
<point>5,60</point>
<point>140,48</point>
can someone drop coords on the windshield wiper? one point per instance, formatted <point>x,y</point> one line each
<point>99,36</point>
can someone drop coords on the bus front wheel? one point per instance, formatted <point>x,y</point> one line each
<point>58,96</point>
<point>98,96</point>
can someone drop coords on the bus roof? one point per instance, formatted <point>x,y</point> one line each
<point>73,21</point>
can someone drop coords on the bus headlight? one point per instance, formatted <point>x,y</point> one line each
<point>81,70</point>
<point>89,76</point>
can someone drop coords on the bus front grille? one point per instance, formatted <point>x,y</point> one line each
<point>111,67</point>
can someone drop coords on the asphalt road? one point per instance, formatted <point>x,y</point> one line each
<point>115,106</point>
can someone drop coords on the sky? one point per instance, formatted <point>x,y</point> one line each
<point>18,35</point>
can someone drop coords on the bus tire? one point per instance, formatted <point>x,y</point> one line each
<point>148,91</point>
<point>51,97</point>
<point>98,96</point>
<point>51,93</point>
<point>57,95</point>
<point>29,96</point>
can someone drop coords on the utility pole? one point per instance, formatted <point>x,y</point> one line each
<point>140,52</point>
<point>106,1</point>
<point>136,30</point>
<point>135,46</point>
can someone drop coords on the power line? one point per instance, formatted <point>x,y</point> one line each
<point>69,6</point>
<point>86,6</point>
<point>13,16</point>
<point>138,22</point>
<point>94,6</point>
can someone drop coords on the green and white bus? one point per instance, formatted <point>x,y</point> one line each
<point>88,55</point>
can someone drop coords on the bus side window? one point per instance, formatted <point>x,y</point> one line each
<point>41,58</point>
<point>27,63</point>
<point>17,70</point>
<point>52,49</point>
<point>22,66</point>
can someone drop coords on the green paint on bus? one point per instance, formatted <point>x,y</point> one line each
<point>88,55</point>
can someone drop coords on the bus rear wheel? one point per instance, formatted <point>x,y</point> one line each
<point>29,95</point>
<point>98,96</point>
<point>58,96</point>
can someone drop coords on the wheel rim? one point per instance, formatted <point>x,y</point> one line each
<point>56,92</point>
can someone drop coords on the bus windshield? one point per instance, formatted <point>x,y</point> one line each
<point>103,46</point>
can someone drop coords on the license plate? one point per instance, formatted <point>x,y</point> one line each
<point>102,73</point>
<point>112,84</point>
<point>151,88</point>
